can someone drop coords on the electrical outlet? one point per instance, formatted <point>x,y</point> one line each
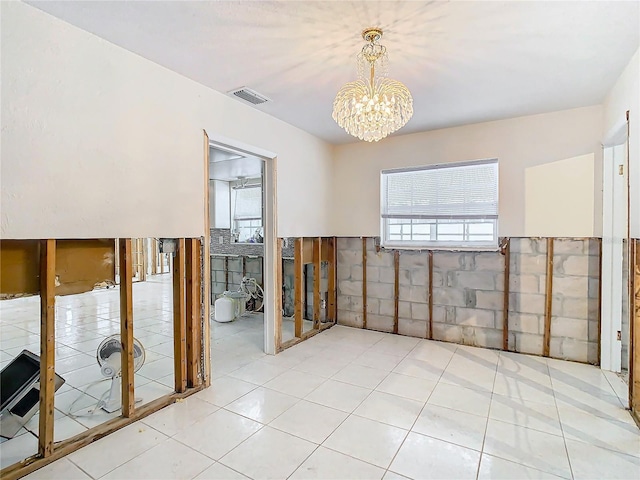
<point>220,239</point>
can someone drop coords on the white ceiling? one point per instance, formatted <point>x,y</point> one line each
<point>230,166</point>
<point>464,62</point>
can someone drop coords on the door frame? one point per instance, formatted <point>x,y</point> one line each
<point>610,346</point>
<point>269,197</point>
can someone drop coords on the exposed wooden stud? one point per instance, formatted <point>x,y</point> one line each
<point>331,294</point>
<point>126,326</point>
<point>306,335</point>
<point>193,310</point>
<point>317,280</point>
<point>364,282</point>
<point>430,295</point>
<point>396,289</point>
<point>506,249</point>
<point>66,447</point>
<point>634,331</point>
<point>154,256</point>
<point>47,345</point>
<point>298,285</point>
<point>279,291</point>
<point>226,273</point>
<point>548,299</point>
<point>206,272</point>
<point>179,322</point>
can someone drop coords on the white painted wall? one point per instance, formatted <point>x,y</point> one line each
<point>518,143</point>
<point>559,190</point>
<point>625,95</point>
<point>219,204</point>
<point>99,142</point>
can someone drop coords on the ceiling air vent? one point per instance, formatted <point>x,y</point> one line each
<point>249,96</point>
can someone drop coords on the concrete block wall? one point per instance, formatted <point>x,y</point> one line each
<point>625,332</point>
<point>309,273</point>
<point>574,312</point>
<point>349,281</point>
<point>468,295</point>
<point>527,286</point>
<point>253,269</point>
<point>288,287</point>
<point>381,290</point>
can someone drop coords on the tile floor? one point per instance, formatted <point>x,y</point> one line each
<point>82,322</point>
<point>356,404</point>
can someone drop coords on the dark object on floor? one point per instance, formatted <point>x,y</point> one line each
<point>20,392</point>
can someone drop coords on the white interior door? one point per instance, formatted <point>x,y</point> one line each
<point>614,231</point>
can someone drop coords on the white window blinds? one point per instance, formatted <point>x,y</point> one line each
<point>459,191</point>
<point>451,206</point>
<point>248,203</point>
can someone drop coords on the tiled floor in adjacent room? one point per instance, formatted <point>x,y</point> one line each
<point>355,404</point>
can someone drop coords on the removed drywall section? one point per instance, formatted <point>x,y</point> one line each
<point>574,320</point>
<point>527,280</point>
<point>468,295</point>
<point>227,272</point>
<point>349,268</point>
<point>80,265</point>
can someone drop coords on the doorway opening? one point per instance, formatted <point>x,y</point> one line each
<point>615,332</point>
<point>242,234</point>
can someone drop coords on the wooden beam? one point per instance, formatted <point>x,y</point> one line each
<point>548,299</point>
<point>279,290</point>
<point>364,282</point>
<point>206,275</point>
<point>193,310</point>
<point>47,345</point>
<point>505,307</point>
<point>317,280</point>
<point>396,289</point>
<point>331,294</point>
<point>126,326</point>
<point>226,273</point>
<point>306,335</point>
<point>179,322</point>
<point>298,285</point>
<point>430,295</point>
<point>28,465</point>
<point>634,330</point>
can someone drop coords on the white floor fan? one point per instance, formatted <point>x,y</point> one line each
<point>109,357</point>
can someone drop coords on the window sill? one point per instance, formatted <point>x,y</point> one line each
<point>425,248</point>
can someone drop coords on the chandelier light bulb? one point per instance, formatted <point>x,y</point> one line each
<point>373,106</point>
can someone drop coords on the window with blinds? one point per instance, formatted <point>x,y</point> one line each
<point>451,205</point>
<point>247,212</point>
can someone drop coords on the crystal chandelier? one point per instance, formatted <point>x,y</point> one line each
<point>373,106</point>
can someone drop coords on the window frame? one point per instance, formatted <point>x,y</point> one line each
<point>235,229</point>
<point>434,220</point>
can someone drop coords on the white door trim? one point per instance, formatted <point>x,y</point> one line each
<point>614,231</point>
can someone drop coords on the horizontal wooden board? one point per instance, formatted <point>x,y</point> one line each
<point>19,266</point>
<point>80,265</point>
